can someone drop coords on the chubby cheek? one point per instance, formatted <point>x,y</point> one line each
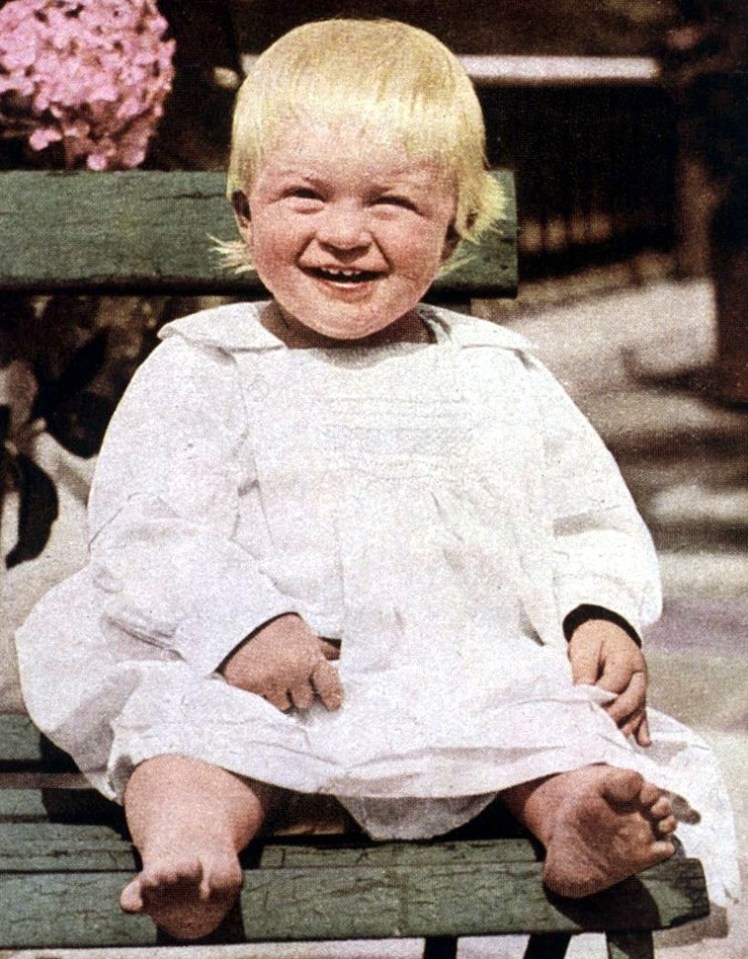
<point>420,257</point>
<point>271,250</point>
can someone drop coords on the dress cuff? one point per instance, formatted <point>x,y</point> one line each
<point>586,612</point>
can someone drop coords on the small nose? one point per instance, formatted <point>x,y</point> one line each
<point>343,227</point>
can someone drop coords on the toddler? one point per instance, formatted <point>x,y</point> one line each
<point>345,543</point>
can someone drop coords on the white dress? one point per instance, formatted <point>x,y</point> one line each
<point>438,508</point>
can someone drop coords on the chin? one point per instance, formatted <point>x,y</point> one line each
<point>349,331</point>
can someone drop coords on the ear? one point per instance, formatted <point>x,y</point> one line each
<point>240,203</point>
<point>451,242</point>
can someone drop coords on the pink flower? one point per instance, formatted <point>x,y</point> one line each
<point>94,73</point>
<point>42,137</point>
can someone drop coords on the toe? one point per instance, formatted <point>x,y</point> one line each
<point>666,826</point>
<point>623,785</point>
<point>683,811</point>
<point>663,849</point>
<point>220,880</point>
<point>650,795</point>
<point>131,899</point>
<point>662,808</point>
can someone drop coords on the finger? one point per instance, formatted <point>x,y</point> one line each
<point>630,725</point>
<point>278,698</point>
<point>329,650</point>
<point>629,701</point>
<point>615,676</point>
<point>637,726</point>
<point>326,682</point>
<point>302,695</point>
<point>642,734</point>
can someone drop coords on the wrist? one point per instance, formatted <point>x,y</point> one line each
<point>587,612</point>
<point>269,622</point>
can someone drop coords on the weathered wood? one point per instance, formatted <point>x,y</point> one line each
<point>389,890</point>
<point>148,231</point>
<point>455,900</point>
<point>21,741</point>
<point>21,805</point>
<point>427,853</point>
<point>68,909</point>
<point>58,847</point>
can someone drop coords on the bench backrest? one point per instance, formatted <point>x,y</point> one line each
<point>150,232</point>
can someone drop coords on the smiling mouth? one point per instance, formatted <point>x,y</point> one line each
<point>343,276</point>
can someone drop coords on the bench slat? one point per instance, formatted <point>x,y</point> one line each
<point>56,847</point>
<point>150,232</point>
<point>456,899</point>
<point>20,739</point>
<point>69,909</point>
<point>43,846</point>
<point>60,910</point>
<point>21,806</point>
<point>476,852</point>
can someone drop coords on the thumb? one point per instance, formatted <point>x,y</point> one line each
<point>329,650</point>
<point>326,683</point>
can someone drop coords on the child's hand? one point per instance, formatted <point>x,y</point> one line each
<point>286,664</point>
<point>602,654</point>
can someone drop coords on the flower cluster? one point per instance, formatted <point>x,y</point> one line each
<point>92,75</point>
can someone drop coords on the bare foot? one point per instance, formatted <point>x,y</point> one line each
<point>189,820</point>
<point>188,896</point>
<point>598,824</point>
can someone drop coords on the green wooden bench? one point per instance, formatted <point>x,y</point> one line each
<point>64,851</point>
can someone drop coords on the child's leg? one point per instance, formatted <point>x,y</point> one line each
<point>189,820</point>
<point>599,825</point>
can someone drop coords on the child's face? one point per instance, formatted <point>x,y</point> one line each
<point>346,234</point>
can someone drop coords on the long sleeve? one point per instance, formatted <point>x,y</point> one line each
<point>602,551</point>
<point>164,508</point>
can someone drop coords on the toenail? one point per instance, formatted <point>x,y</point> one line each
<point>682,811</point>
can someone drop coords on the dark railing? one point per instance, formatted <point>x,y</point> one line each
<point>592,142</point>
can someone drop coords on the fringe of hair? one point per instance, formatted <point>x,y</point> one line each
<point>232,255</point>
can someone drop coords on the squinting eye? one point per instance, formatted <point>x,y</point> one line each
<point>397,201</point>
<point>304,193</point>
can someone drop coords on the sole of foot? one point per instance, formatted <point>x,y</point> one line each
<point>609,824</point>
<point>188,899</point>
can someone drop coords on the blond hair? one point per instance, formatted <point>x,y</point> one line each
<point>390,81</point>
